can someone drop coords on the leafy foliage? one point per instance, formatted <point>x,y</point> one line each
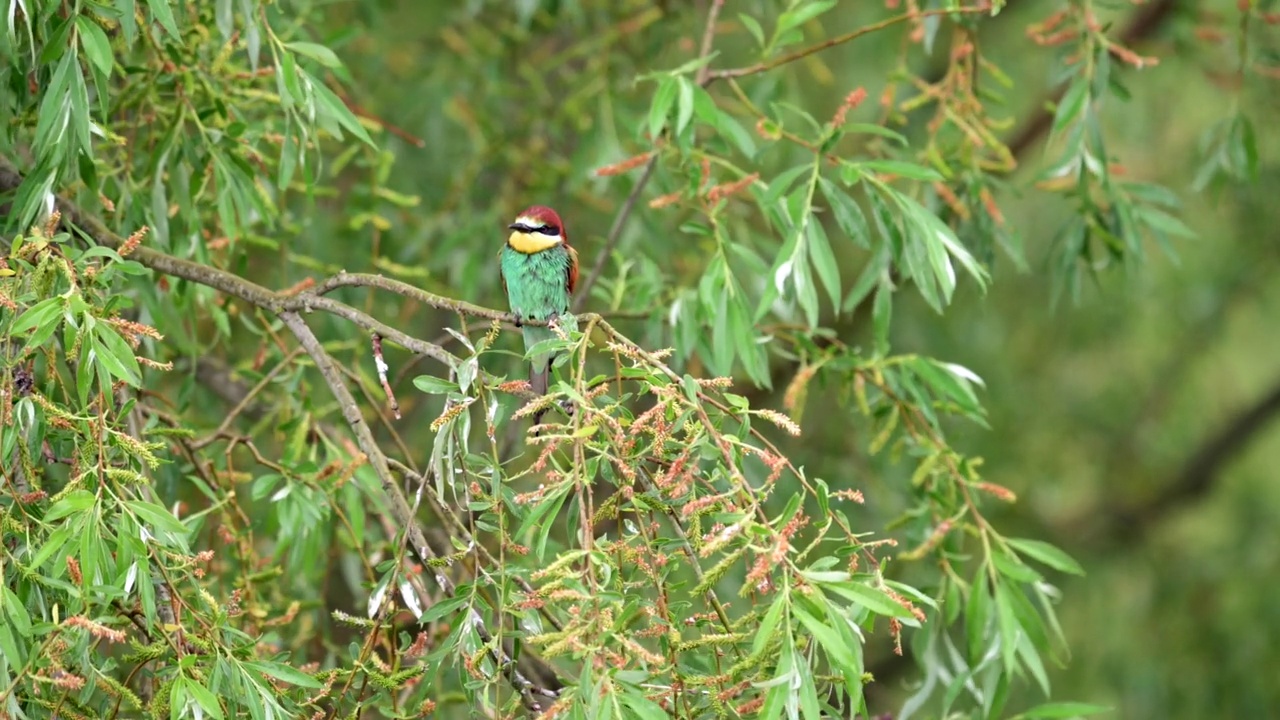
<point>202,518</point>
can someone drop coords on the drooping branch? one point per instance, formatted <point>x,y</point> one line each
<point>1147,20</point>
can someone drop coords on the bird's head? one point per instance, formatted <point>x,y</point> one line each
<point>537,229</point>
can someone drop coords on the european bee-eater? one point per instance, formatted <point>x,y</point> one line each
<point>539,271</point>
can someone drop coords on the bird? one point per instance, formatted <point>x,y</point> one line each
<point>539,271</point>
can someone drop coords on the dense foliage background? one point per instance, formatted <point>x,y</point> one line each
<point>807,228</point>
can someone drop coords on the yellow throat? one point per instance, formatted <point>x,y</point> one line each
<point>529,243</point>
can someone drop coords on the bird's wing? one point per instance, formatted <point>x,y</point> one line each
<point>571,279</point>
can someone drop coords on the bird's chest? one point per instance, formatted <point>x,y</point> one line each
<point>536,282</point>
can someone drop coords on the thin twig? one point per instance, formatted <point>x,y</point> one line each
<point>620,220</point>
<point>838,40</point>
<point>708,37</point>
<point>615,234</point>
<point>381,364</point>
<point>245,401</point>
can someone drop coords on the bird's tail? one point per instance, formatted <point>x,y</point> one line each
<point>540,364</point>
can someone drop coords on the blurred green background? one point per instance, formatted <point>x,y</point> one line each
<point>1134,423</point>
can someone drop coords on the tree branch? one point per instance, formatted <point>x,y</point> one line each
<point>615,234</point>
<point>403,289</point>
<point>1202,469</point>
<point>838,40</point>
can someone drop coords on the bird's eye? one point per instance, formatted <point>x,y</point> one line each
<point>549,230</point>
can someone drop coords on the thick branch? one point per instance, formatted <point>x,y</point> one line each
<point>346,279</point>
<point>1203,467</point>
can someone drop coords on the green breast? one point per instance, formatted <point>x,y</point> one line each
<point>537,284</point>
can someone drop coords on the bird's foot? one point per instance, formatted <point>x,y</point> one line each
<point>518,322</point>
<point>554,325</point>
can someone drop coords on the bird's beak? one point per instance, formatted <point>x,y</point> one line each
<point>513,226</point>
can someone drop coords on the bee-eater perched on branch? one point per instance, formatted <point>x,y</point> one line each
<point>539,271</point>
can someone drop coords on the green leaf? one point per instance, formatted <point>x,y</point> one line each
<point>116,355</point>
<point>802,14</point>
<point>731,128</point>
<point>690,385</point>
<point>643,707</point>
<point>827,637</point>
<point>824,260</point>
<point>1047,554</point>
<point>319,53</point>
<point>663,99</point>
<point>551,346</point>
<point>776,699</point>
<point>867,279</point>
<point>76,501</point>
<point>1164,222</point>
<point>287,81</point>
<point>204,698</point>
<point>769,625</point>
<point>95,43</point>
<point>159,518</point>
<point>434,385</point>
<point>164,15</point>
<point>753,26</point>
<point>1070,104</point>
<point>338,110</point>
<point>692,65</point>
<point>280,671</point>
<point>224,17</point>
<point>810,708</point>
<point>443,609</point>
<point>882,131</point>
<point>1012,568</point>
<point>780,184</point>
<point>1032,662</point>
<point>48,310</point>
<point>544,531</point>
<point>86,367</point>
<point>877,601</point>
<point>16,611</point>
<point>1246,142</point>
<point>947,383</point>
<point>684,108</point>
<point>937,230</point>
<point>1007,621</point>
<point>847,212</point>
